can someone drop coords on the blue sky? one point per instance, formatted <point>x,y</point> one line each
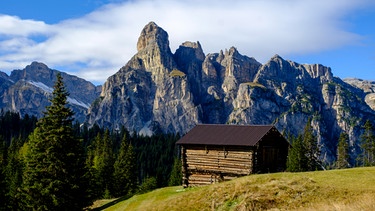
<point>93,39</point>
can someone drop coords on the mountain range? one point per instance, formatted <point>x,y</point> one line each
<point>27,91</point>
<point>158,91</point>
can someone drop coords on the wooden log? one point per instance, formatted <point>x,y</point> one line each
<point>215,160</point>
<point>215,152</point>
<point>235,171</point>
<point>218,162</point>
<point>191,164</point>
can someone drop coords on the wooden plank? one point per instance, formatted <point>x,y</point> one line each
<point>215,160</point>
<point>214,152</point>
<point>220,167</point>
<point>219,164</point>
<point>221,170</point>
<point>206,157</point>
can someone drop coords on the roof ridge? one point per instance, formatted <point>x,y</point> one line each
<point>270,125</point>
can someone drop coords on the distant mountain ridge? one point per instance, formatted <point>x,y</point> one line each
<point>158,91</point>
<point>161,91</point>
<point>27,91</point>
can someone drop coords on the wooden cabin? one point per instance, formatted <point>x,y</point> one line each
<point>214,153</point>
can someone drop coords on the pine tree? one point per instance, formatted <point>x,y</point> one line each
<point>125,177</point>
<point>13,174</point>
<point>343,151</point>
<point>312,148</point>
<point>54,175</point>
<point>3,152</point>
<point>368,145</point>
<point>176,174</point>
<point>297,160</point>
<point>103,160</point>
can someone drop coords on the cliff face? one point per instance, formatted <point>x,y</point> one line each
<point>27,91</point>
<point>158,91</point>
<point>150,93</point>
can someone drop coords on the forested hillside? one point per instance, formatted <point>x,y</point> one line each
<point>113,163</point>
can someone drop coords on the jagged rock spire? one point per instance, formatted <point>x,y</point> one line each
<point>152,35</point>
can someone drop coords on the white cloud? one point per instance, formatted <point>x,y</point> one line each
<point>95,46</point>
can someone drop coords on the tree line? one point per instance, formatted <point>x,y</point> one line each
<point>55,163</point>
<point>304,153</point>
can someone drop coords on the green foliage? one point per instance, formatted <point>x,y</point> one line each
<point>176,174</point>
<point>125,169</point>
<point>255,85</point>
<point>148,184</point>
<point>13,126</point>
<point>176,73</point>
<point>54,175</point>
<point>13,175</point>
<point>368,145</point>
<point>304,153</point>
<point>100,159</point>
<point>343,151</point>
<point>34,172</point>
<point>312,149</point>
<point>3,152</point>
<point>297,159</point>
<point>155,156</point>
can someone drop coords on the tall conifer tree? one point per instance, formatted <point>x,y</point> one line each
<point>312,149</point>
<point>54,175</point>
<point>176,173</point>
<point>368,145</point>
<point>297,160</point>
<point>125,167</point>
<point>3,188</point>
<point>103,160</point>
<point>343,151</point>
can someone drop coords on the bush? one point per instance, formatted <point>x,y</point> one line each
<point>148,184</point>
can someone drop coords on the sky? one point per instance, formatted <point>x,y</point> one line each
<point>93,39</point>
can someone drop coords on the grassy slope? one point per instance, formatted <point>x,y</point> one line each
<point>349,189</point>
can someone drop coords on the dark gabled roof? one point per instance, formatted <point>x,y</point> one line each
<point>230,135</point>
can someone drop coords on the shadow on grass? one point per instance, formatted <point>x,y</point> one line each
<point>109,204</point>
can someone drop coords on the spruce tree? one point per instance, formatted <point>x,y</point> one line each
<point>343,151</point>
<point>368,145</point>
<point>125,167</point>
<point>3,185</point>
<point>103,160</point>
<point>297,160</point>
<point>176,174</point>
<point>54,175</point>
<point>312,149</point>
<point>13,175</point>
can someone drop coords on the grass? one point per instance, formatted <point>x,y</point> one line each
<point>176,73</point>
<point>254,84</point>
<point>348,189</point>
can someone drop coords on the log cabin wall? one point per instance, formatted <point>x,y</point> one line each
<point>203,165</point>
<point>271,153</point>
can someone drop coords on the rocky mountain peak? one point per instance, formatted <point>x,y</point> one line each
<point>319,71</point>
<point>153,36</point>
<point>27,91</point>
<point>157,91</point>
<point>231,52</point>
<point>368,87</point>
<point>36,71</point>
<point>193,48</point>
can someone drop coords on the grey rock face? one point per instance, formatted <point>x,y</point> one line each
<point>149,94</point>
<point>158,91</point>
<point>367,86</point>
<point>27,91</point>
